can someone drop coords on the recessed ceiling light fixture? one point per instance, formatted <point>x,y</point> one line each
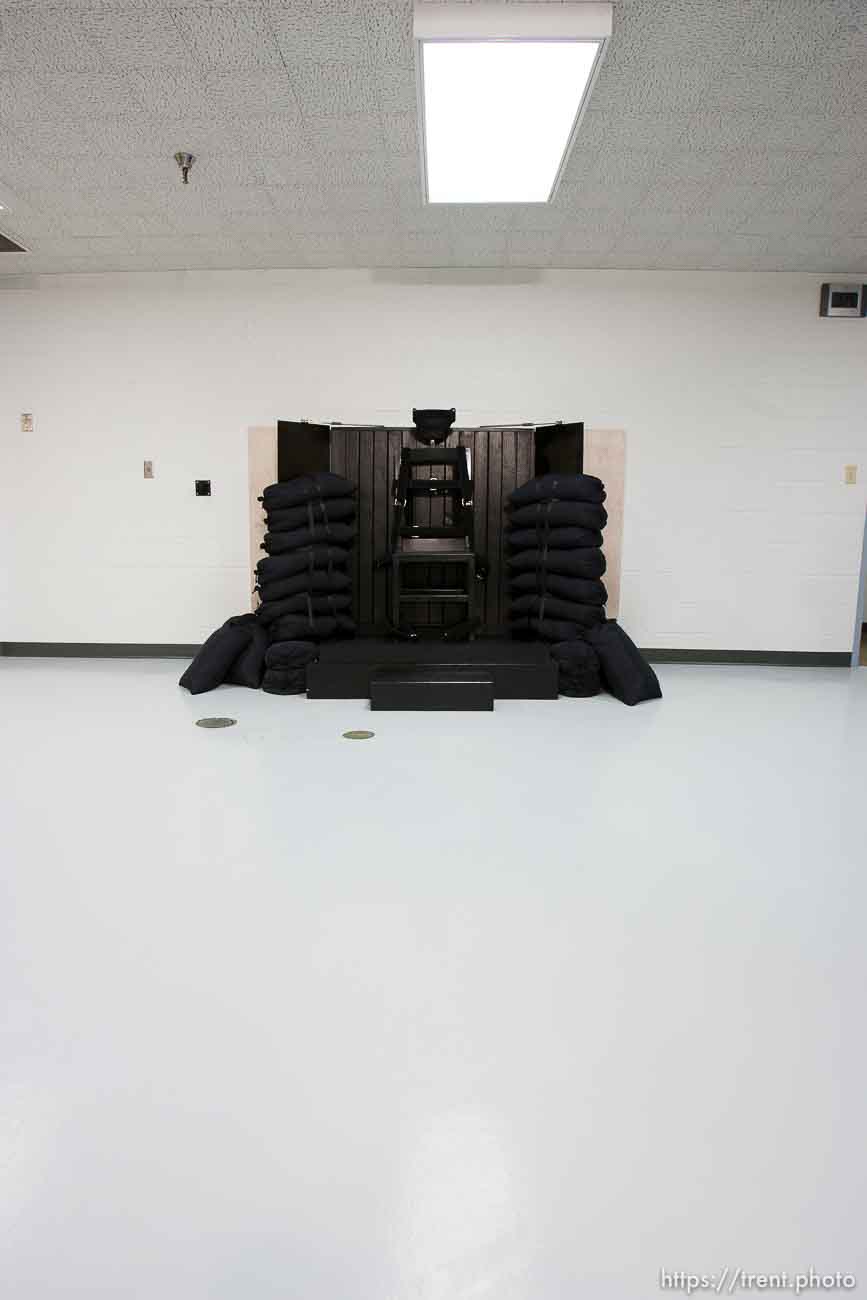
<point>501,91</point>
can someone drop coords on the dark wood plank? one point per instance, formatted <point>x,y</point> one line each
<point>381,514</point>
<point>508,481</point>
<point>524,458</point>
<point>365,528</point>
<point>495,531</point>
<point>476,441</point>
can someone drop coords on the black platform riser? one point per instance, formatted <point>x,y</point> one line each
<point>352,681</point>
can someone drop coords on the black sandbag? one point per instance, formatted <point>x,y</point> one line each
<point>310,580</point>
<point>249,666</point>
<point>551,607</point>
<point>283,681</point>
<point>560,487</point>
<point>322,627</point>
<point>325,534</point>
<point>625,671</point>
<point>584,591</point>
<point>314,512</point>
<point>275,567</point>
<point>577,668</point>
<point>270,610</point>
<point>584,563</point>
<point>290,654</point>
<point>560,514</point>
<point>546,629</point>
<point>307,487</point>
<point>562,539</point>
<point>213,661</point>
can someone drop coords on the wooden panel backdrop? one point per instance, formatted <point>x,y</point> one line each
<point>500,460</point>
<point>262,468</point>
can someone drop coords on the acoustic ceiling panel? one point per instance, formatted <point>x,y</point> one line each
<point>718,135</point>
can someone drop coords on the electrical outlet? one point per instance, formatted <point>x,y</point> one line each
<point>148,469</point>
<point>26,422</point>
<point>850,474</point>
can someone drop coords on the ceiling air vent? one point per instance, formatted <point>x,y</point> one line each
<point>8,245</point>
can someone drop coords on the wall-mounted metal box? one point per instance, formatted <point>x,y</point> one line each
<point>843,300</point>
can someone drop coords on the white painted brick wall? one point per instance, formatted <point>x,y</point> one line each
<point>741,408</point>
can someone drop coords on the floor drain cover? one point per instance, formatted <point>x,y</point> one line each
<point>358,735</point>
<point>216,722</point>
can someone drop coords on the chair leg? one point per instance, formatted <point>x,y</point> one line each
<point>471,589</point>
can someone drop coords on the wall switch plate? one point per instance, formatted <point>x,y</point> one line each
<point>148,469</point>
<point>26,422</point>
<point>850,474</point>
<point>203,487</point>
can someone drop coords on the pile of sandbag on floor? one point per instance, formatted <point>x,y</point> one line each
<point>303,583</point>
<point>234,654</point>
<point>556,562</point>
<point>605,656</point>
<point>286,667</point>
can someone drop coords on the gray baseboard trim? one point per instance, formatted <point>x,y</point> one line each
<point>782,658</point>
<point>95,650</point>
<point>126,650</point>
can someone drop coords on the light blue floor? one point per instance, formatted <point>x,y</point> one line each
<point>279,1026</point>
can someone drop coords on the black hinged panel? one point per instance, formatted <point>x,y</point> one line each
<point>560,448</point>
<point>302,448</point>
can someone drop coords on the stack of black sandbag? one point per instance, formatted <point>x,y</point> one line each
<point>303,583</point>
<point>556,562</point>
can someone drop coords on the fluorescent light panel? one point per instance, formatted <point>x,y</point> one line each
<point>502,88</point>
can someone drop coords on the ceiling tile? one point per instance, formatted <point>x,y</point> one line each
<point>319,32</point>
<point>269,133</point>
<point>136,36</point>
<point>740,198</point>
<point>334,89</point>
<point>795,33</point>
<point>587,241</point>
<point>468,251</point>
<point>291,169</point>
<point>389,27</point>
<point>772,221</point>
<point>250,92</point>
<point>177,92</point>
<point>649,222</point>
<point>365,167</point>
<point>227,36</point>
<point>396,91</point>
<point>291,198</point>
<point>357,198</point>
<point>346,132</point>
<point>669,195</point>
<point>400,133</point>
<point>722,134</point>
<point>46,41</point>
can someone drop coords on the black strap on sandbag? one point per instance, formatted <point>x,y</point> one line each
<point>543,586</point>
<point>322,509</point>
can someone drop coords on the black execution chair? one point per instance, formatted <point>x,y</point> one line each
<point>451,542</point>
